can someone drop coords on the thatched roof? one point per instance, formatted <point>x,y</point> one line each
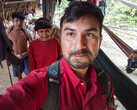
<point>7,7</point>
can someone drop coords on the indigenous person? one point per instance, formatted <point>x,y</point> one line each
<point>81,38</point>
<point>44,50</point>
<point>19,37</point>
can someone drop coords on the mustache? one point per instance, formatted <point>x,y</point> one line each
<point>79,52</point>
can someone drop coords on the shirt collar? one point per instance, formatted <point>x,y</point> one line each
<point>65,68</point>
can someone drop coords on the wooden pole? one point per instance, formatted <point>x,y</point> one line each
<point>44,8</point>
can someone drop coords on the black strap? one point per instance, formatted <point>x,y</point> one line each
<point>105,83</point>
<point>53,96</point>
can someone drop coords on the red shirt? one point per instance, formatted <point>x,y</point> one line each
<point>30,93</point>
<point>94,1</point>
<point>43,53</point>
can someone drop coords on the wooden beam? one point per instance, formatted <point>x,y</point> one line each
<point>14,2</point>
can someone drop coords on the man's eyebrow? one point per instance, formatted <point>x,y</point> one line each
<point>68,28</point>
<point>91,29</point>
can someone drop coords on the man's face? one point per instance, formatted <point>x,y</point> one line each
<point>80,41</point>
<point>18,23</point>
<point>44,34</point>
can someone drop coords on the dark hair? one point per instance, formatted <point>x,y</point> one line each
<point>41,24</point>
<point>46,19</point>
<point>18,15</point>
<point>78,9</point>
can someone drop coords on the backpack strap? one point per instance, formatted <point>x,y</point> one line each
<point>54,79</point>
<point>105,83</point>
<point>53,96</point>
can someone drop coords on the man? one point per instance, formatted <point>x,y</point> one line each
<point>80,89</point>
<point>19,37</point>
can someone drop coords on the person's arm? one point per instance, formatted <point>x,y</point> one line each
<point>31,59</point>
<point>24,54</point>
<point>28,94</point>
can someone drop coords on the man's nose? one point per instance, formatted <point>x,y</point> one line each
<point>80,42</point>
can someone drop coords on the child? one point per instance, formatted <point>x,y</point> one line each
<point>44,50</point>
<point>19,37</point>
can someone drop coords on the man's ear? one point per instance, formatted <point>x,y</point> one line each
<point>101,38</point>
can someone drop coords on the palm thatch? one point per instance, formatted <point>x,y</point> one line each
<point>7,7</point>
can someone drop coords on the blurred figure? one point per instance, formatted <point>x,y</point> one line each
<point>133,55</point>
<point>102,5</point>
<point>94,1</point>
<point>33,12</point>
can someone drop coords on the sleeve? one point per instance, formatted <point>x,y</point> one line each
<point>28,94</point>
<point>31,59</point>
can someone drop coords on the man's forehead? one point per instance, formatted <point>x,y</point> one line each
<point>83,23</point>
<point>81,20</point>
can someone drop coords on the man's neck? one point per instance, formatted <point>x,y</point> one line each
<point>81,73</point>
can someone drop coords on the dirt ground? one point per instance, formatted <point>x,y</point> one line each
<point>108,47</point>
<point>5,81</point>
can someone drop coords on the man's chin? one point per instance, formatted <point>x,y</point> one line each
<point>79,64</point>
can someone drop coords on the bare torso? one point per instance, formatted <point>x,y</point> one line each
<point>19,39</point>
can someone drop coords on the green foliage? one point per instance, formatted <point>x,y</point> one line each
<point>62,6</point>
<point>118,12</point>
<point>115,12</point>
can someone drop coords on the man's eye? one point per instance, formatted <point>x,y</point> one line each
<point>70,34</point>
<point>89,35</point>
